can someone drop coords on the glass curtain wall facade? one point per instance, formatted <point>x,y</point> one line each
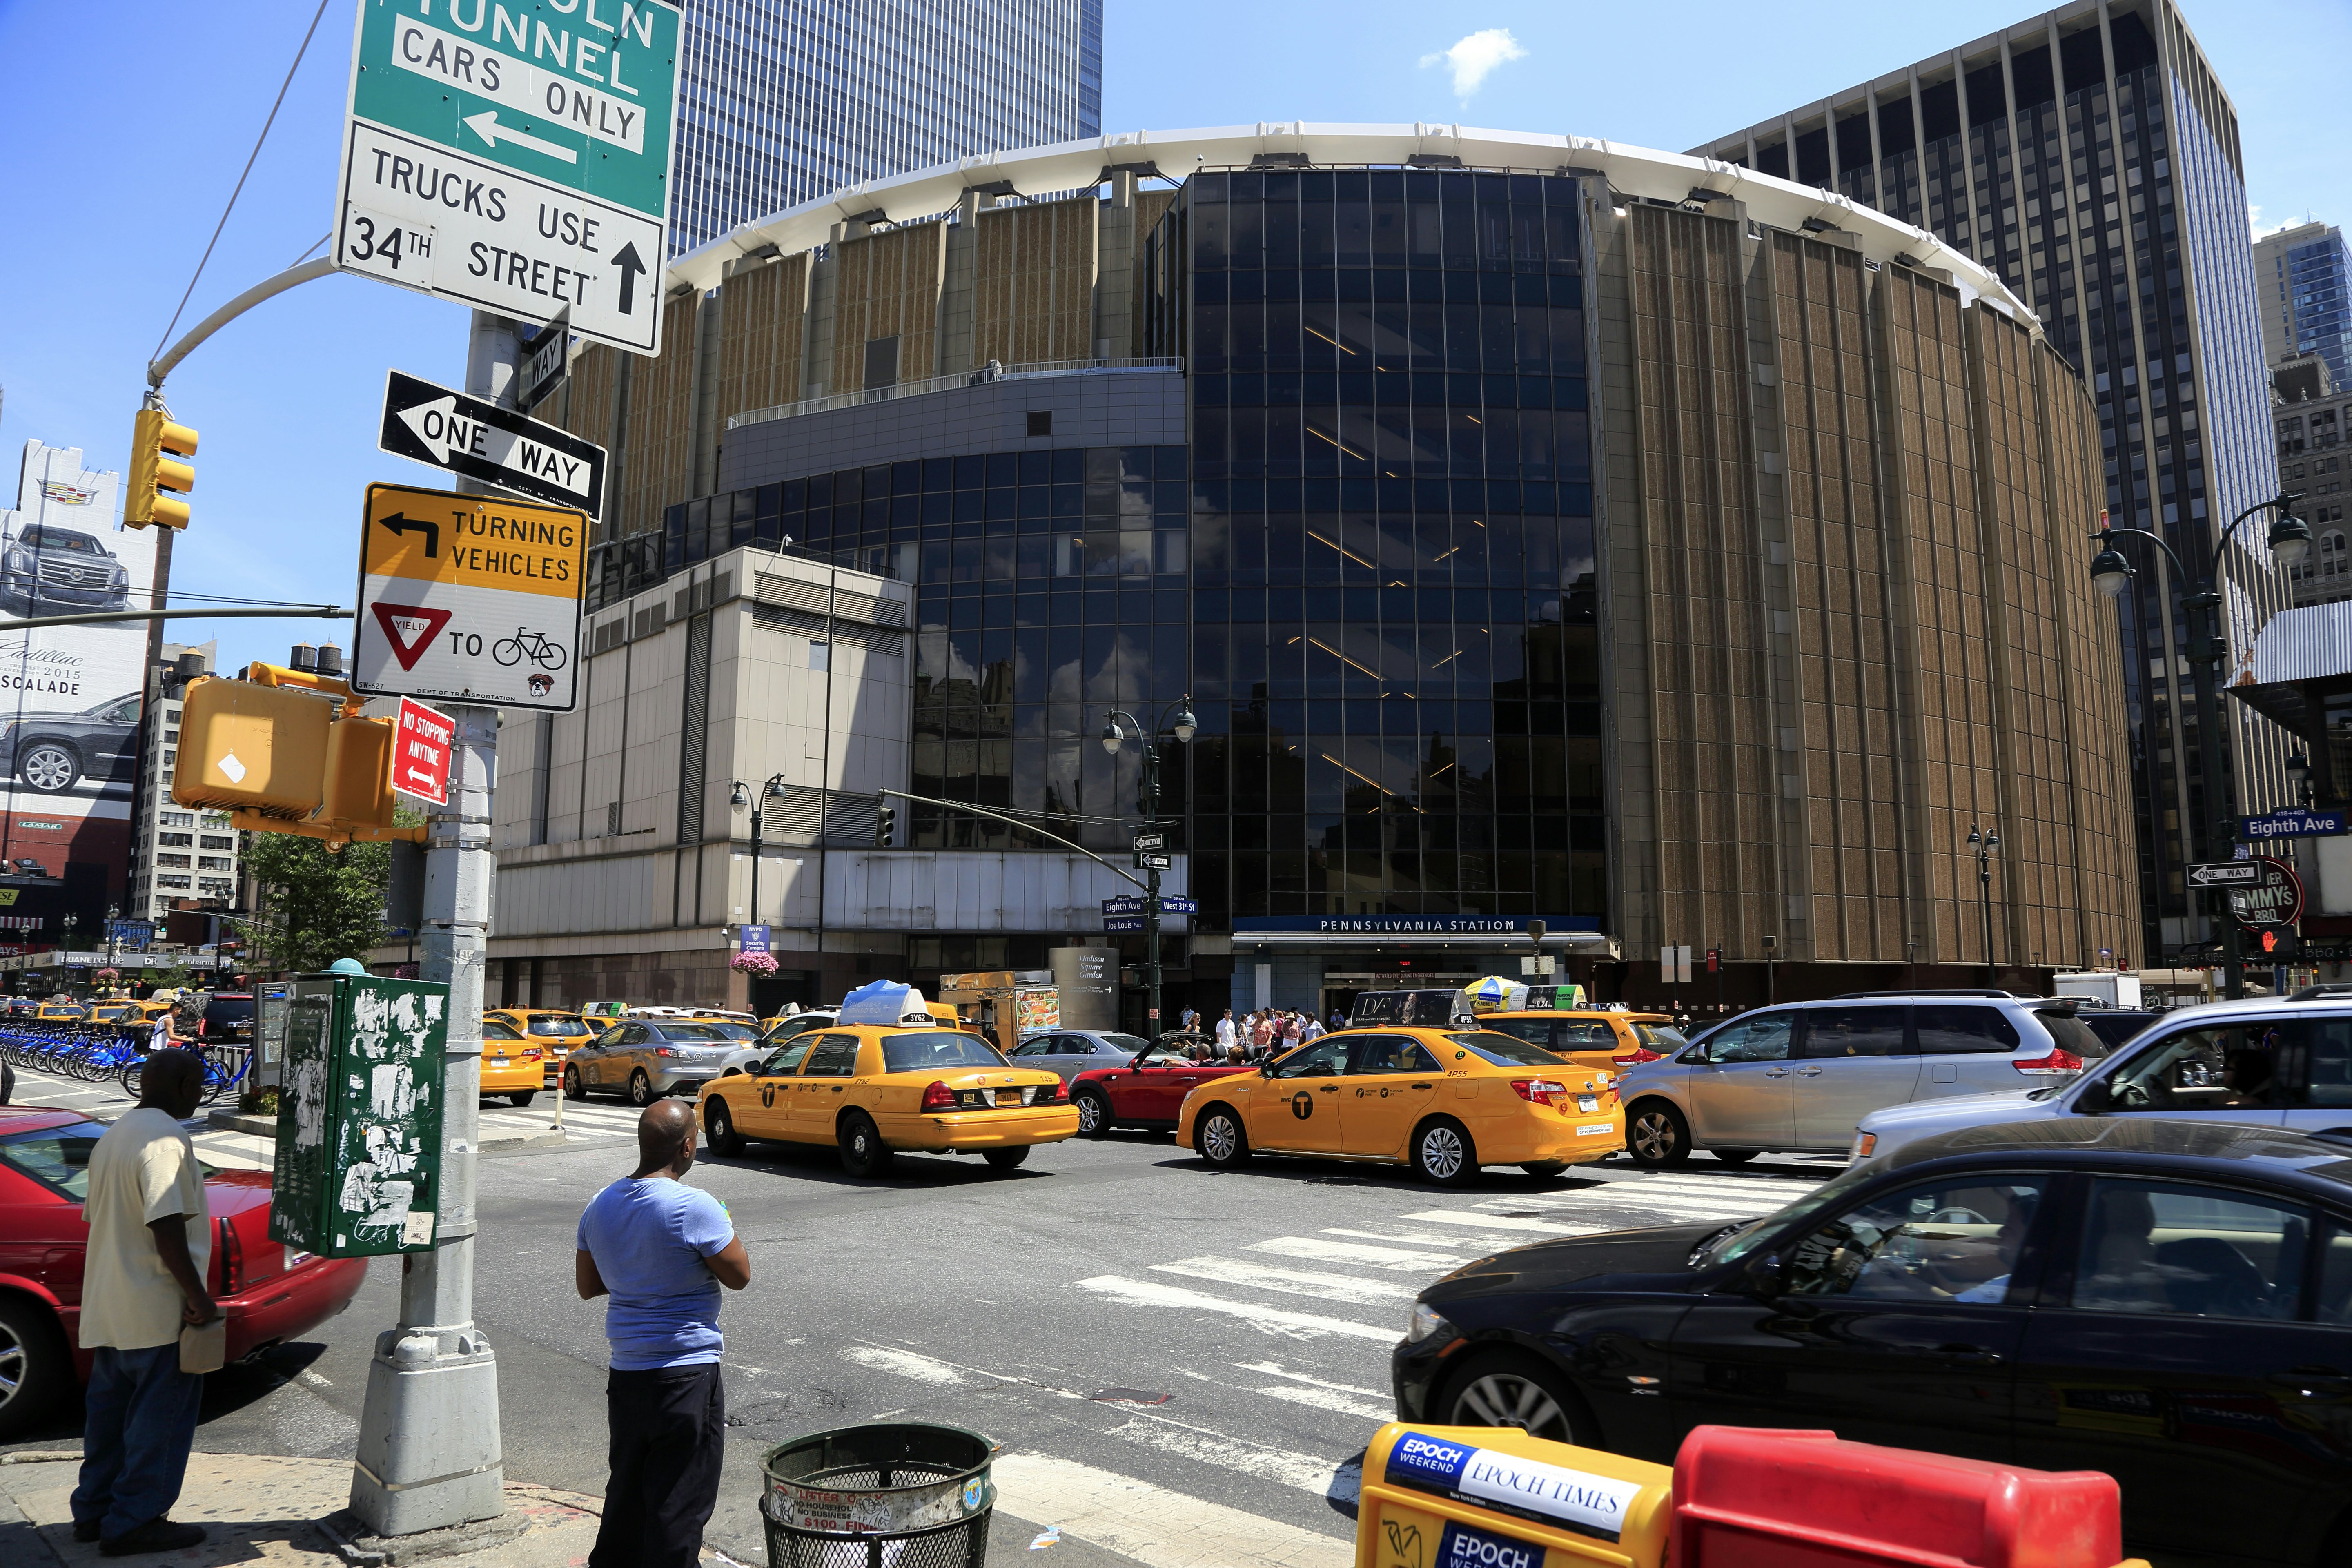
<point>780,104</point>
<point>1393,649</point>
<point>2304,276</point>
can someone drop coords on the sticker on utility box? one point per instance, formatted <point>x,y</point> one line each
<point>1583,1501</point>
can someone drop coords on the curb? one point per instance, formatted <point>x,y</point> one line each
<point>266,1127</point>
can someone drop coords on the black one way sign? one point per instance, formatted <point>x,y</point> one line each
<point>476,438</point>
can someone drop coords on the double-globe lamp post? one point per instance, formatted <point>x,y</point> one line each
<point>2289,542</point>
<point>1183,728</point>
<point>1984,843</point>
<point>739,800</point>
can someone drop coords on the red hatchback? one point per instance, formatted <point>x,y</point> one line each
<point>269,1294</point>
<point>1144,1092</point>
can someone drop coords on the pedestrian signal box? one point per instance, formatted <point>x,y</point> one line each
<point>244,746</point>
<point>358,1116</point>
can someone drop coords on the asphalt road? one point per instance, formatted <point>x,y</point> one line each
<point>1181,1364</point>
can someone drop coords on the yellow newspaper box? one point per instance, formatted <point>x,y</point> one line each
<point>1489,1496</point>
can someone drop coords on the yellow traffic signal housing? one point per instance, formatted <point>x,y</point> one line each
<point>357,799</point>
<point>253,747</point>
<point>152,473</point>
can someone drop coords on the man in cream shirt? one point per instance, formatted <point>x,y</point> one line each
<point>143,1280</point>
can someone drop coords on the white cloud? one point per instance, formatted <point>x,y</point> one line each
<point>2261,229</point>
<point>1474,57</point>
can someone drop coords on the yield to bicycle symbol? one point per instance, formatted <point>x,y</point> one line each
<point>536,647</point>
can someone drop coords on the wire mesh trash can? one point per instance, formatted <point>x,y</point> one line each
<point>890,1495</point>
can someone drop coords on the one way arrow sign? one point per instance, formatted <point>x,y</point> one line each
<point>476,438</point>
<point>2227,874</point>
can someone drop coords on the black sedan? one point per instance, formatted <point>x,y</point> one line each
<point>2170,1302</point>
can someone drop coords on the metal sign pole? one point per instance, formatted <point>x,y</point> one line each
<point>430,1453</point>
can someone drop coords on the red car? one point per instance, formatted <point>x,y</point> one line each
<point>1145,1092</point>
<point>269,1293</point>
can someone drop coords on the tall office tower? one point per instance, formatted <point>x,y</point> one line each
<point>2091,158</point>
<point>781,101</point>
<point>2304,275</point>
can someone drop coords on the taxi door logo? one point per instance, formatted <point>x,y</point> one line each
<point>1302,1105</point>
<point>768,1095</point>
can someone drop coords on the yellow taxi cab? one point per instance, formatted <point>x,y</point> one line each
<point>555,1032</point>
<point>1597,1040</point>
<point>1443,1102</point>
<point>61,1008</point>
<point>115,1010</point>
<point>872,1090</point>
<point>512,1063</point>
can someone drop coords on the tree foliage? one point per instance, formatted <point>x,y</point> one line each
<point>323,904</point>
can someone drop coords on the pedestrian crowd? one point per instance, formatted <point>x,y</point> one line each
<point>1253,1037</point>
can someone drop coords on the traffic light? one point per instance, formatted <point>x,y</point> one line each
<point>356,796</point>
<point>152,473</point>
<point>886,822</point>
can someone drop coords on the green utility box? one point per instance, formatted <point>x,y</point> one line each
<point>358,1116</point>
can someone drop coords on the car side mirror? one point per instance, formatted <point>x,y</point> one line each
<point>1265,1069</point>
<point>1763,1274</point>
<point>2094,1096</point>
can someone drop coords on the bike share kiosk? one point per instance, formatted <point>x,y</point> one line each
<point>358,1116</point>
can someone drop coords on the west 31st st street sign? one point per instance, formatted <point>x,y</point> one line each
<point>515,155</point>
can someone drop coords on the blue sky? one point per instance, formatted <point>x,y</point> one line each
<point>122,127</point>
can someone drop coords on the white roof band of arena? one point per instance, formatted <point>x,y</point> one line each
<point>1067,166</point>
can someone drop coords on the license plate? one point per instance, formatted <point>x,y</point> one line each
<point>1008,1097</point>
<point>1588,1103</point>
<point>1594,1129</point>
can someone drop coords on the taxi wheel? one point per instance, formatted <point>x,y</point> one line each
<point>1517,1391</point>
<point>863,1152</point>
<point>641,1089</point>
<point>1218,1137</point>
<point>1656,1135</point>
<point>1094,1113</point>
<point>1005,1159</point>
<point>521,1098</point>
<point>724,1139</point>
<point>1442,1153</point>
<point>573,1088</point>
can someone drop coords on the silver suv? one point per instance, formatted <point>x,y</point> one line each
<point>1799,1077</point>
<point>2268,1061</point>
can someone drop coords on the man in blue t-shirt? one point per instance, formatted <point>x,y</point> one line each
<point>661,1250</point>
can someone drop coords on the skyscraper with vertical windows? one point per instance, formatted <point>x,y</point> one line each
<point>2304,277</point>
<point>2090,157</point>
<point>781,101</point>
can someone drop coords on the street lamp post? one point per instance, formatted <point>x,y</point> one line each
<point>2111,574</point>
<point>1984,843</point>
<point>1148,798</point>
<point>113,915</point>
<point>739,800</point>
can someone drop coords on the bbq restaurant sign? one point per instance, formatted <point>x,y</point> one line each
<point>515,155</point>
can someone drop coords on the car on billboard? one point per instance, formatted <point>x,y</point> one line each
<point>54,751</point>
<point>61,568</point>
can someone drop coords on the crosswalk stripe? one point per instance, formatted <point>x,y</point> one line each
<point>1288,1281</point>
<point>1302,1471</point>
<point>1408,1239</point>
<point>1276,1369</point>
<point>1318,1249</point>
<point>906,1364</point>
<point>1325,1399</point>
<point>1156,1527</point>
<point>1660,1203</point>
<point>1276,1319</point>
<point>1502,1223</point>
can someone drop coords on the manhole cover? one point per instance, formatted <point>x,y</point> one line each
<point>1132,1396</point>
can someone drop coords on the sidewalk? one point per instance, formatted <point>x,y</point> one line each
<point>269,1511</point>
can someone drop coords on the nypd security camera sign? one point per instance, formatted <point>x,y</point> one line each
<point>515,156</point>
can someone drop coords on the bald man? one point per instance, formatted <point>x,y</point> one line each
<point>151,1237</point>
<point>660,1249</point>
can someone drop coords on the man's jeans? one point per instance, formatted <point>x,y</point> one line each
<point>138,1419</point>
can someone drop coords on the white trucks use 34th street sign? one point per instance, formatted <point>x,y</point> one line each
<point>515,155</point>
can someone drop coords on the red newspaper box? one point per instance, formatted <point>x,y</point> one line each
<point>1750,1498</point>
